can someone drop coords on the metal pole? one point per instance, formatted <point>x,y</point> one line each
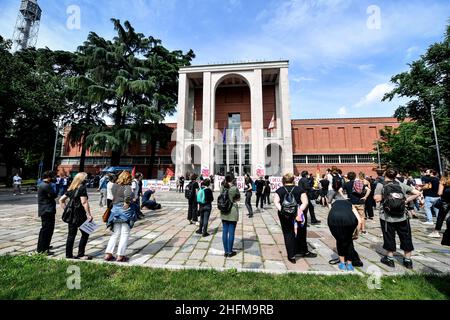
<point>437,142</point>
<point>54,149</point>
<point>379,158</point>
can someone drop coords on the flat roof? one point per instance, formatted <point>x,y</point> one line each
<point>235,66</point>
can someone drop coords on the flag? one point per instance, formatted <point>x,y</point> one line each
<point>169,172</point>
<point>133,173</point>
<point>272,123</point>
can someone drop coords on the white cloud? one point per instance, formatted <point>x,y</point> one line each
<point>342,111</point>
<point>410,52</point>
<point>375,95</point>
<point>301,79</point>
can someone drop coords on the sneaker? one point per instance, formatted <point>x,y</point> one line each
<point>205,235</point>
<point>428,223</point>
<point>342,266</point>
<point>232,254</point>
<point>309,254</point>
<point>434,234</point>
<point>407,263</point>
<point>292,260</point>
<point>198,232</point>
<point>389,262</point>
<point>357,264</point>
<point>350,267</point>
<point>316,222</point>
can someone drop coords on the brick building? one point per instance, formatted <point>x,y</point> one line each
<point>237,118</point>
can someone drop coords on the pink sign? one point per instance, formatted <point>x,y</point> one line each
<point>205,172</point>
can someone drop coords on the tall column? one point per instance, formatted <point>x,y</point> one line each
<point>183,91</point>
<point>207,125</point>
<point>287,156</point>
<point>257,156</point>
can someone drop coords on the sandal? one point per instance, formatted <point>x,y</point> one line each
<point>124,259</point>
<point>110,258</point>
<point>85,258</point>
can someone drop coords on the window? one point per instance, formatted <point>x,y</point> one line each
<point>331,159</point>
<point>365,158</point>
<point>334,158</point>
<point>348,158</point>
<point>299,159</point>
<point>315,159</point>
<point>126,161</point>
<point>165,160</point>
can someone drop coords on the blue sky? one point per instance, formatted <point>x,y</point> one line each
<point>339,66</point>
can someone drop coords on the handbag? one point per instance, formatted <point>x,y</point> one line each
<point>74,211</point>
<point>106,215</point>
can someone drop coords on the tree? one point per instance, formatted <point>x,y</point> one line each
<point>427,84</point>
<point>407,148</point>
<point>136,82</point>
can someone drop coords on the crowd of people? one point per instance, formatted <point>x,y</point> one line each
<point>352,200</point>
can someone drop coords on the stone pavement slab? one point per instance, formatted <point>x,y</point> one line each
<point>165,238</point>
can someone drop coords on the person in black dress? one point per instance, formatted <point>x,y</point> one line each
<point>294,238</point>
<point>343,220</point>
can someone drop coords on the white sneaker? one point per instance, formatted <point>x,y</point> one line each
<point>197,223</point>
<point>434,234</point>
<point>428,223</point>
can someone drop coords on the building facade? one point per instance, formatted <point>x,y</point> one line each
<point>237,118</point>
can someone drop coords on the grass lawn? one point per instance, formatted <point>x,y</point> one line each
<point>36,277</point>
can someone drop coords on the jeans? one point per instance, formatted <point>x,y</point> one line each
<point>205,212</point>
<point>259,199</point>
<point>429,203</point>
<point>121,230</point>
<point>248,202</point>
<point>229,228</point>
<point>46,233</point>
<point>149,204</point>
<point>73,229</point>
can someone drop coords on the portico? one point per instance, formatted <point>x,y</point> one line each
<point>234,118</point>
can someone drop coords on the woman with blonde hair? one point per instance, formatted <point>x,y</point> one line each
<point>75,214</point>
<point>122,218</point>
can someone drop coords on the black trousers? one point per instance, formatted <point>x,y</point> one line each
<point>266,198</point>
<point>259,200</point>
<point>192,210</point>
<point>344,241</point>
<point>368,207</point>
<point>248,202</point>
<point>310,209</point>
<point>403,229</point>
<point>294,244</point>
<point>46,233</point>
<point>205,212</point>
<point>443,210</point>
<point>73,229</point>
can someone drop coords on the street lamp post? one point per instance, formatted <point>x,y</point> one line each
<point>379,158</point>
<point>437,142</point>
<point>56,142</point>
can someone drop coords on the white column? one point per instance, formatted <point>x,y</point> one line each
<point>183,90</point>
<point>287,156</point>
<point>257,150</point>
<point>207,125</point>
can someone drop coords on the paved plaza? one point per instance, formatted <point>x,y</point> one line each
<point>165,239</point>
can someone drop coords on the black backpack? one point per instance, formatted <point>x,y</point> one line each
<point>336,182</point>
<point>289,206</point>
<point>188,191</point>
<point>394,199</point>
<point>74,212</point>
<point>224,203</point>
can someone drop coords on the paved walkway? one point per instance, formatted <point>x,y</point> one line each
<point>165,239</point>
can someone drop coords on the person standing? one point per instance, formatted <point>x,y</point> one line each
<point>64,183</point>
<point>191,195</point>
<point>17,183</point>
<point>394,218</point>
<point>231,217</point>
<point>77,192</point>
<point>122,218</point>
<point>357,194</point>
<point>370,202</point>
<point>267,190</point>
<point>248,191</point>
<point>102,187</point>
<point>430,193</point>
<point>109,185</point>
<point>305,184</point>
<point>205,207</point>
<point>444,204</point>
<point>335,184</point>
<point>47,213</point>
<point>260,186</point>
<point>324,184</point>
<point>291,196</point>
<point>343,221</point>
<point>137,194</point>
<point>181,184</point>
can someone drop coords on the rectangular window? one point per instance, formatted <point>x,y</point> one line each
<point>348,158</point>
<point>366,158</point>
<point>331,158</point>
<point>315,159</point>
<point>299,159</point>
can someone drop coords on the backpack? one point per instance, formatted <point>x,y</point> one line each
<point>74,212</point>
<point>188,191</point>
<point>393,200</point>
<point>289,206</point>
<point>358,188</point>
<point>201,196</point>
<point>224,203</point>
<point>336,183</point>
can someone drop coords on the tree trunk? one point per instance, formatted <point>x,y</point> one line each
<point>83,151</point>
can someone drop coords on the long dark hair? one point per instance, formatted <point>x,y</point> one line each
<point>228,180</point>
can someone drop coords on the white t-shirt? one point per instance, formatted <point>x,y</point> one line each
<point>109,194</point>
<point>17,180</point>
<point>330,178</point>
